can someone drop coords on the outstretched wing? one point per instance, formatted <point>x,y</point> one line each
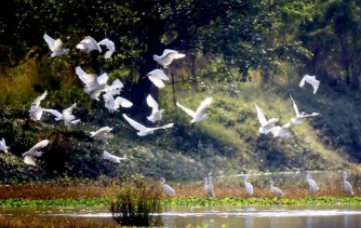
<point>159,74</point>
<point>37,101</point>
<point>156,81</point>
<point>203,106</point>
<point>295,107</point>
<point>135,124</point>
<point>30,160</point>
<point>54,112</point>
<point>50,41</point>
<point>123,102</point>
<point>152,103</point>
<point>186,110</point>
<point>40,145</point>
<point>69,111</point>
<point>261,118</point>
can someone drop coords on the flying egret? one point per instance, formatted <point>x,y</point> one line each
<point>248,186</point>
<point>110,45</point>
<point>142,130</point>
<point>3,146</point>
<point>29,156</point>
<point>167,57</point>
<point>56,46</point>
<point>299,116</point>
<point>266,125</point>
<point>156,114</point>
<point>91,81</point>
<point>310,80</point>
<point>346,185</point>
<point>311,183</point>
<point>208,186</point>
<point>113,158</point>
<point>201,113</point>
<point>113,89</point>
<point>66,115</point>
<point>113,104</point>
<point>36,111</point>
<point>280,131</point>
<point>101,134</point>
<point>156,77</point>
<point>168,189</point>
<point>275,190</point>
<point>88,44</point>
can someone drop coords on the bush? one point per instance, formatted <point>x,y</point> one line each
<point>136,203</point>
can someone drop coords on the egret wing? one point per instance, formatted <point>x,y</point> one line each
<point>152,103</point>
<point>186,110</point>
<point>295,107</point>
<point>203,106</point>
<point>123,102</point>
<point>135,124</point>
<point>159,74</point>
<point>58,45</point>
<point>261,118</point>
<point>37,101</point>
<point>102,79</point>
<point>50,41</point>
<point>30,160</point>
<point>53,112</point>
<point>156,81</point>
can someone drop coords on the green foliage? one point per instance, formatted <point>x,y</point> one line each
<point>135,203</point>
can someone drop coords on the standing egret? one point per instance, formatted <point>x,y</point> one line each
<point>275,190</point>
<point>168,189</point>
<point>3,146</point>
<point>56,46</point>
<point>248,186</point>
<point>208,186</point>
<point>311,183</point>
<point>266,125</point>
<point>346,185</point>
<point>143,130</point>
<point>300,116</point>
<point>201,113</point>
<point>36,111</point>
<point>310,80</point>
<point>167,57</point>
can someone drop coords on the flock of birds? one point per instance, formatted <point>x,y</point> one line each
<point>97,85</point>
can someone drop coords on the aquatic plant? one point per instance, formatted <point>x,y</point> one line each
<point>135,203</point>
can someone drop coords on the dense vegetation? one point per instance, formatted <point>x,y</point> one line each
<point>239,52</point>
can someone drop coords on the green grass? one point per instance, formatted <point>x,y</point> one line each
<point>186,201</point>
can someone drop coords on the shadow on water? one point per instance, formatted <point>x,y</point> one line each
<point>240,217</point>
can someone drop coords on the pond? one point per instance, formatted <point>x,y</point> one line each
<point>240,217</point>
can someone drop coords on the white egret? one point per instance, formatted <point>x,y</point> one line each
<point>88,44</point>
<point>101,134</point>
<point>266,125</point>
<point>113,104</point>
<point>29,156</point>
<point>208,186</point>
<point>310,80</point>
<point>113,89</point>
<point>36,111</point>
<point>167,57</point>
<point>156,114</point>
<point>311,183</point>
<point>110,45</point>
<point>91,81</point>
<point>280,131</point>
<point>299,116</point>
<point>200,113</point>
<point>248,186</point>
<point>142,130</point>
<point>168,189</point>
<point>3,146</point>
<point>66,114</point>
<point>56,46</point>
<point>275,190</point>
<point>156,77</point>
<point>113,158</point>
<point>346,185</point>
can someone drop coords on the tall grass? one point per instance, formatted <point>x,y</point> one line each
<point>135,203</point>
